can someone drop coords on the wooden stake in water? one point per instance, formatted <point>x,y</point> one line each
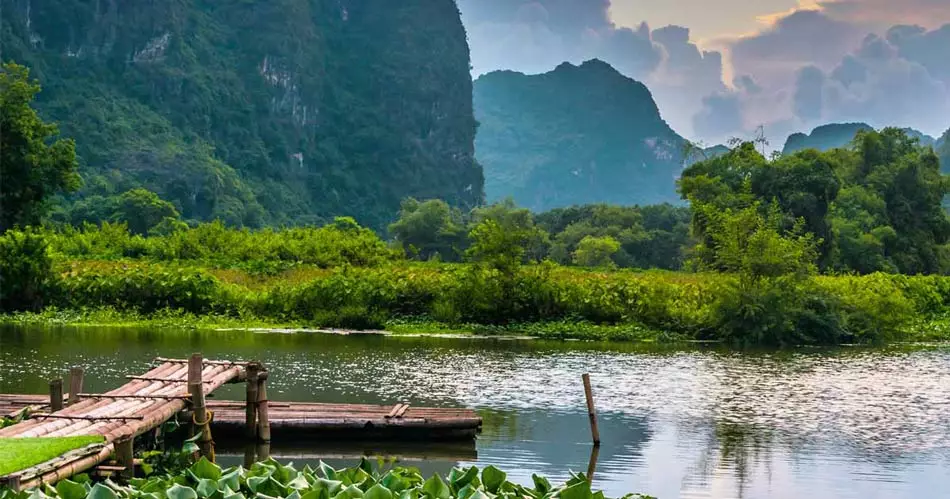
<point>594,433</point>
<point>201,417</point>
<point>124,455</point>
<point>263,417</point>
<point>75,384</point>
<point>56,395</point>
<point>250,417</point>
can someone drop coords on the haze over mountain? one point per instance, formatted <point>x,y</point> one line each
<point>575,135</point>
<point>786,65</point>
<point>835,135</point>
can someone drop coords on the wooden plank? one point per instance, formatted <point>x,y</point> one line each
<point>143,397</point>
<point>162,380</point>
<point>46,415</point>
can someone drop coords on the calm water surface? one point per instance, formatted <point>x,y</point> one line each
<point>849,423</point>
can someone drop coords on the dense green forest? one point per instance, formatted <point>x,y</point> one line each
<point>576,135</point>
<point>255,113</point>
<point>845,245</point>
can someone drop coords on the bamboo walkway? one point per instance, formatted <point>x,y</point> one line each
<point>291,421</point>
<point>140,405</point>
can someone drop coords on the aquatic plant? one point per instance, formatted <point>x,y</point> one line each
<point>271,479</point>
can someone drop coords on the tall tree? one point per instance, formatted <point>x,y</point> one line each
<point>33,163</point>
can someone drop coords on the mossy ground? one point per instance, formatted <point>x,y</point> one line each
<point>20,453</point>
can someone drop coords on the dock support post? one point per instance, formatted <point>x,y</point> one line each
<point>124,455</point>
<point>201,417</point>
<point>75,384</point>
<point>263,418</point>
<point>253,371</point>
<point>56,395</point>
<point>594,432</point>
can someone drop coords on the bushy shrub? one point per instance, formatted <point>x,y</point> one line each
<point>26,273</point>
<point>141,288</point>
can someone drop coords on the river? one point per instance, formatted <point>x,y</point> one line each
<point>675,423</point>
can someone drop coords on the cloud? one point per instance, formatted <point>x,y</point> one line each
<point>809,89</point>
<point>720,117</point>
<point>803,38</point>
<point>879,14</point>
<point>534,36</point>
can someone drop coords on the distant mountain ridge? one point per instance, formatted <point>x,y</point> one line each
<point>834,135</point>
<point>575,135</point>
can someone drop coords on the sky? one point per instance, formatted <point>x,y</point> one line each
<point>723,68</point>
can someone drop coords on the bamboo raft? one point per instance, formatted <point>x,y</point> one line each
<point>291,421</point>
<point>118,416</point>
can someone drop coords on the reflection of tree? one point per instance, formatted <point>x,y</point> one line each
<point>741,447</point>
<point>499,424</point>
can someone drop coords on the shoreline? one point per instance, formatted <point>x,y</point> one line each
<point>932,331</point>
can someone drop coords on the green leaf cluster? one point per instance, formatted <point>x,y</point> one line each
<point>272,480</point>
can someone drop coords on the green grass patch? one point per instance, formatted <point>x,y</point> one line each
<point>20,453</point>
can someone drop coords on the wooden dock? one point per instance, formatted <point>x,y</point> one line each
<point>178,388</point>
<point>297,420</point>
<point>118,416</point>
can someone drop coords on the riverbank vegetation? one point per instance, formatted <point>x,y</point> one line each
<point>272,479</point>
<point>845,246</point>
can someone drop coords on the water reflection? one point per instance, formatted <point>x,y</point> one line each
<point>674,423</point>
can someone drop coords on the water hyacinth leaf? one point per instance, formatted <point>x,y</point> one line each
<point>378,492</point>
<point>177,491</point>
<point>460,478</point>
<point>237,495</point>
<point>332,486</point>
<point>409,494</point>
<point>478,494</point>
<point>541,484</point>
<point>349,492</point>
<point>366,466</point>
<point>231,480</point>
<point>316,494</point>
<point>299,483</point>
<point>395,483</point>
<point>435,488</point>
<point>328,472</point>
<point>206,487</point>
<point>206,469</point>
<point>579,490</point>
<point>68,489</point>
<point>293,495</point>
<point>100,491</point>
<point>599,495</point>
<point>466,491</point>
<point>492,478</point>
<point>37,494</point>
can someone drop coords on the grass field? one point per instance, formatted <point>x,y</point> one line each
<point>21,453</point>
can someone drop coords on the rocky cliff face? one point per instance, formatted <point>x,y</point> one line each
<point>577,135</point>
<point>284,111</point>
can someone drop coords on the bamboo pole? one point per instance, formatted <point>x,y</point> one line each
<point>195,368</point>
<point>56,395</point>
<point>263,416</point>
<point>592,463</point>
<point>75,383</point>
<point>250,417</point>
<point>591,412</point>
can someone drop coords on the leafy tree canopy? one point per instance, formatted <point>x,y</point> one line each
<point>34,165</point>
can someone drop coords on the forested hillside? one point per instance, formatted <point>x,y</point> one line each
<point>576,135</point>
<point>835,135</point>
<point>256,113</point>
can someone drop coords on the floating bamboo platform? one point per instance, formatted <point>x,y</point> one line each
<point>178,388</point>
<point>118,416</point>
<point>291,421</point>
